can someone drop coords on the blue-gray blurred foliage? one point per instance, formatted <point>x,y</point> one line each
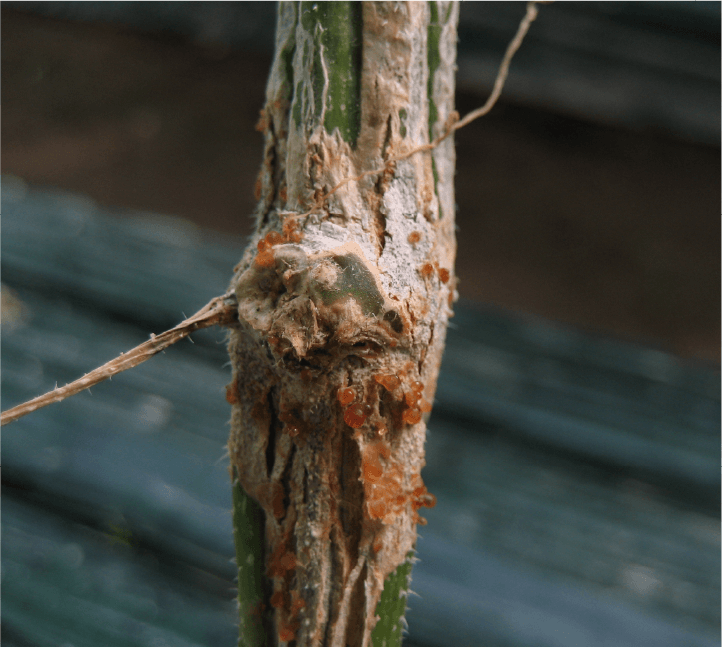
<point>576,476</point>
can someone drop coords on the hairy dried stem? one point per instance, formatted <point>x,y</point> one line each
<point>219,311</point>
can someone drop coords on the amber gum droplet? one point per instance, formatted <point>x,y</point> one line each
<point>372,472</point>
<point>389,382</point>
<point>346,396</point>
<point>297,603</point>
<point>411,398</point>
<point>277,599</point>
<point>427,269</point>
<point>265,259</point>
<point>414,237</point>
<point>274,238</point>
<point>377,509</point>
<point>262,245</point>
<point>384,449</point>
<point>425,406</point>
<point>356,415</point>
<point>417,387</point>
<point>288,561</point>
<point>231,394</point>
<point>444,275</point>
<point>411,416</point>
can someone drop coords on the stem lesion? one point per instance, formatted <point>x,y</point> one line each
<point>220,311</point>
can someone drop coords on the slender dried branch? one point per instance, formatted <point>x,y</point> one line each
<point>219,311</point>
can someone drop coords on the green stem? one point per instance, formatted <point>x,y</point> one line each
<point>248,523</point>
<point>391,607</point>
<point>336,27</point>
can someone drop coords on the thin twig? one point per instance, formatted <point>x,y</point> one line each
<point>220,311</point>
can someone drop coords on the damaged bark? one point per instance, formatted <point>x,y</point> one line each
<point>344,299</point>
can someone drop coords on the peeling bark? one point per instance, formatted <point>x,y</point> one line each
<point>344,311</point>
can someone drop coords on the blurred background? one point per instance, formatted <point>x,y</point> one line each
<point>575,437</point>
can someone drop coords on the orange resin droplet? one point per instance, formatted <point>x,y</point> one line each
<point>262,245</point>
<point>346,396</point>
<point>377,509</point>
<point>277,503</point>
<point>286,634</point>
<point>425,406</point>
<point>274,238</point>
<point>231,393</point>
<point>265,259</point>
<point>411,398</point>
<point>372,472</point>
<point>277,600</point>
<point>414,237</point>
<point>417,387</point>
<point>389,382</point>
<point>384,449</point>
<point>286,416</point>
<point>288,561</point>
<point>411,416</point>
<point>356,415</point>
<point>297,603</point>
<point>427,269</point>
<point>444,275</point>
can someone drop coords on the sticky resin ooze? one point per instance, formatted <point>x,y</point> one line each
<point>384,493</point>
<point>355,416</point>
<point>414,237</point>
<point>389,382</point>
<point>346,396</point>
<point>266,256</point>
<point>415,403</point>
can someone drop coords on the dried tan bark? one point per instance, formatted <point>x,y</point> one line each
<point>357,293</point>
